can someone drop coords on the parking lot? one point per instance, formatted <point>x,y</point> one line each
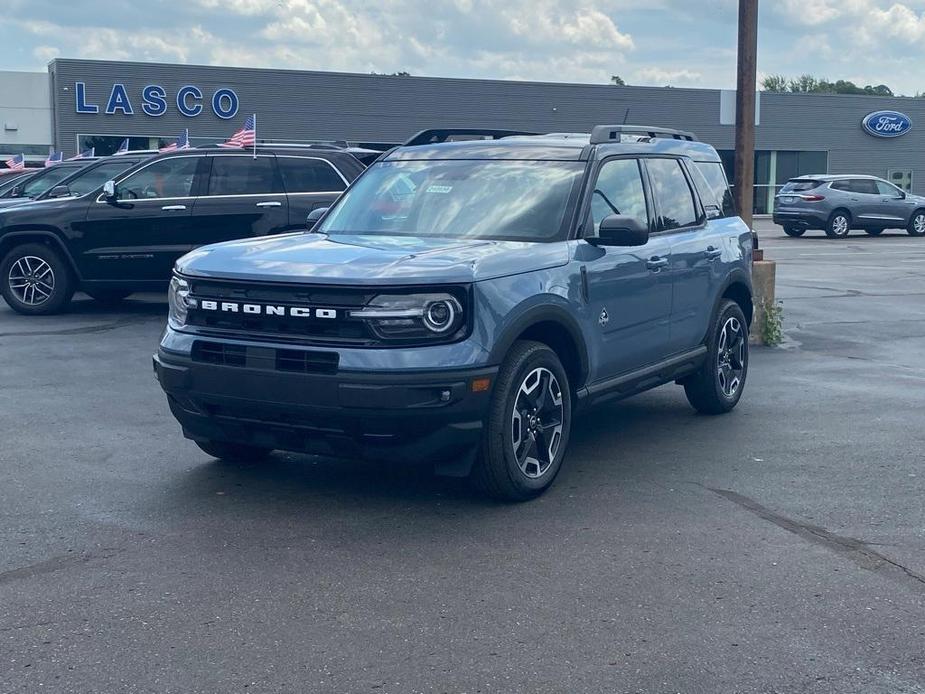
<point>780,548</point>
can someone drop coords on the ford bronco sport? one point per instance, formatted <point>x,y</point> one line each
<point>460,300</point>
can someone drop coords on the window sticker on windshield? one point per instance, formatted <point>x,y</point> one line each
<point>439,189</point>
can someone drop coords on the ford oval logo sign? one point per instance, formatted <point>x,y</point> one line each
<point>887,124</point>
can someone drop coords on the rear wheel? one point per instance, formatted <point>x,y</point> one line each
<point>35,280</point>
<point>874,232</point>
<point>794,231</point>
<point>528,426</point>
<point>234,452</point>
<point>718,385</point>
<point>917,224</point>
<point>839,225</point>
<point>108,296</point>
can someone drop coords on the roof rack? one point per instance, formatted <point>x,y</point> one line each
<point>437,135</point>
<point>602,134</point>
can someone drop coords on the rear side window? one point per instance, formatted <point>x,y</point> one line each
<point>302,175</point>
<point>844,186</point>
<point>237,175</point>
<point>673,195</point>
<point>715,178</point>
<point>802,185</point>
<point>865,186</point>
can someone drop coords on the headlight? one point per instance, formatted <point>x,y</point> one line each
<point>409,316</point>
<point>177,296</point>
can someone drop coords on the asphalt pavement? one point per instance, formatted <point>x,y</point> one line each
<point>780,548</point>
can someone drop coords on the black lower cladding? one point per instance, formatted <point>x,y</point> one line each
<point>433,416</point>
<point>800,219</point>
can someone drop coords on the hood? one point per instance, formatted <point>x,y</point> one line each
<point>26,210</point>
<point>349,259</point>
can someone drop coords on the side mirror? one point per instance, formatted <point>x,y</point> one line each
<point>620,230</point>
<point>314,216</point>
<point>17,191</point>
<point>59,192</point>
<point>109,190</point>
<point>901,196</point>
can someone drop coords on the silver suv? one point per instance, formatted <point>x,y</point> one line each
<point>838,204</point>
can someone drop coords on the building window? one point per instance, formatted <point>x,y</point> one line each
<point>901,178</point>
<point>773,168</point>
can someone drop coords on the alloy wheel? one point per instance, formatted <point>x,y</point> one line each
<point>840,225</point>
<point>31,280</point>
<point>919,224</point>
<point>730,357</point>
<point>537,421</point>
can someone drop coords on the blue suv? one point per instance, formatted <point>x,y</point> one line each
<point>461,300</point>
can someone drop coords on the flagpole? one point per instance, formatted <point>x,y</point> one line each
<point>255,136</point>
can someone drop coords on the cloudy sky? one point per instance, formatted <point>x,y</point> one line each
<point>677,42</point>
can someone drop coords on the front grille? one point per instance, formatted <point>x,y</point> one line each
<point>339,330</point>
<point>287,360</point>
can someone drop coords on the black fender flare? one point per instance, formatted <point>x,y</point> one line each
<point>56,241</point>
<point>544,313</point>
<point>736,276</point>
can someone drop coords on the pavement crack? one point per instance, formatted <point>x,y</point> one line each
<point>858,551</point>
<point>105,327</point>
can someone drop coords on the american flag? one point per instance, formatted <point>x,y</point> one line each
<point>17,163</point>
<point>181,143</point>
<point>54,157</point>
<point>246,136</point>
<point>86,154</point>
<point>123,148</point>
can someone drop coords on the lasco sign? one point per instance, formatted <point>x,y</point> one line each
<point>154,101</point>
<point>886,124</point>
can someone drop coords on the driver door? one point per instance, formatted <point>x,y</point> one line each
<point>138,236</point>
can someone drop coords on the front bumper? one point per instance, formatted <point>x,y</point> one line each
<point>807,219</point>
<point>425,416</point>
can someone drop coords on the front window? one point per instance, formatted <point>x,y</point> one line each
<point>167,178</point>
<point>464,199</point>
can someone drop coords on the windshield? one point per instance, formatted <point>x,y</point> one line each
<point>7,181</point>
<point>89,180</point>
<point>47,180</point>
<point>504,200</point>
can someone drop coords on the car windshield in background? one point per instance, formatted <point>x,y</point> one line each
<point>799,186</point>
<point>91,179</point>
<point>8,181</point>
<point>502,200</point>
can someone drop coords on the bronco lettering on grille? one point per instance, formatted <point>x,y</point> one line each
<point>263,309</point>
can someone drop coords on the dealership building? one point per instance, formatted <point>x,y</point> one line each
<point>79,104</point>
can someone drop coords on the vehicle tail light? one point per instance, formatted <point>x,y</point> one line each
<point>812,198</point>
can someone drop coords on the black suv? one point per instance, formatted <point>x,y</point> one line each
<point>125,233</point>
<point>37,182</point>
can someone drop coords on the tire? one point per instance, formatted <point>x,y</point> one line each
<point>234,452</point>
<point>794,231</point>
<point>917,224</point>
<point>35,280</point>
<point>108,297</point>
<point>839,225</point>
<point>712,389</point>
<point>873,232</point>
<point>530,376</point>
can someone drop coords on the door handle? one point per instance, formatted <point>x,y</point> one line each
<point>655,263</point>
<point>270,203</point>
<point>713,253</point>
<point>173,208</point>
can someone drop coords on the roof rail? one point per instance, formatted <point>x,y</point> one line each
<point>601,134</point>
<point>437,135</point>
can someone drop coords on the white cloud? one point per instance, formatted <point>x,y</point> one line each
<point>661,77</point>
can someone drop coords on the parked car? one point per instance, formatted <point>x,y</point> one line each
<point>838,204</point>
<point>38,182</point>
<point>460,300</point>
<point>121,235</point>
<point>8,179</point>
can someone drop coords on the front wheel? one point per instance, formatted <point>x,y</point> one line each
<point>717,387</point>
<point>35,280</point>
<point>528,426</point>
<point>794,231</point>
<point>917,224</point>
<point>233,452</point>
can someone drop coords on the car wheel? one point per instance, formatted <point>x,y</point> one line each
<point>528,426</point>
<point>874,232</point>
<point>234,452</point>
<point>794,231</point>
<point>35,280</point>
<point>839,225</point>
<point>717,387</point>
<point>917,224</point>
<point>108,296</point>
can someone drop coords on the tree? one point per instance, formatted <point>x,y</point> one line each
<point>617,80</point>
<point>809,84</point>
<point>774,83</point>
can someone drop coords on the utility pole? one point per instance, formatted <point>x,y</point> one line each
<point>746,85</point>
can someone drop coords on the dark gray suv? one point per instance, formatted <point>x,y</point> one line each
<point>838,204</point>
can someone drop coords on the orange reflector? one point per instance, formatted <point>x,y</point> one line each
<point>481,385</point>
